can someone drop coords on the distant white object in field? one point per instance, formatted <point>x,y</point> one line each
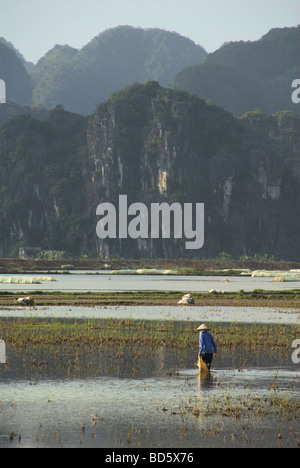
<point>186,299</point>
<point>27,301</point>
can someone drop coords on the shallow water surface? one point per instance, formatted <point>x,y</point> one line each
<point>77,282</point>
<point>143,398</point>
<point>182,313</point>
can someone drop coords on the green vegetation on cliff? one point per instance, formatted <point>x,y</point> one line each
<point>153,144</point>
<point>157,144</point>
<point>41,184</point>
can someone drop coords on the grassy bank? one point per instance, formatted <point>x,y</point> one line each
<point>16,265</point>
<point>256,298</point>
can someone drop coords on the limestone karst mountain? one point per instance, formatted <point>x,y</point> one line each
<point>247,76</point>
<point>81,79</point>
<point>153,144</point>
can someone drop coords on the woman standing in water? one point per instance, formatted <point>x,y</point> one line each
<point>207,345</point>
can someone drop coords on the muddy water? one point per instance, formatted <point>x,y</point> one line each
<point>136,397</point>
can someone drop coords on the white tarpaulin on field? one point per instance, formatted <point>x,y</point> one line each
<point>266,273</point>
<point>25,279</point>
<point>283,278</point>
<point>278,276</point>
<point>143,271</point>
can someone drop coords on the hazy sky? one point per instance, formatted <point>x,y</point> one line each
<point>35,26</point>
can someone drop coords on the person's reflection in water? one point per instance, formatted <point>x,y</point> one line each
<point>205,384</point>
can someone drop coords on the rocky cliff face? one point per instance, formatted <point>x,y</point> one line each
<point>153,145</point>
<point>157,145</point>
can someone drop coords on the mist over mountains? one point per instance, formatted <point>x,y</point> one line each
<point>239,76</point>
<point>243,76</point>
<point>80,80</point>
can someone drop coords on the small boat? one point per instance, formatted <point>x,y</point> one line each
<point>204,372</point>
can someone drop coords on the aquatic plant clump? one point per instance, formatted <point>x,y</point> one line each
<point>278,406</point>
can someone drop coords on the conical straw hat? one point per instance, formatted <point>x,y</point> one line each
<point>203,327</point>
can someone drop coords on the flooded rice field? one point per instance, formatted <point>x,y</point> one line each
<point>64,384</point>
<point>133,396</point>
<point>56,391</point>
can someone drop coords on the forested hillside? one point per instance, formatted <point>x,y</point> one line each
<point>246,76</point>
<point>239,76</point>
<point>17,79</point>
<point>41,182</point>
<point>81,79</point>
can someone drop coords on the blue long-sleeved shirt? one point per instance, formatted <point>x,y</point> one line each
<point>206,343</point>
